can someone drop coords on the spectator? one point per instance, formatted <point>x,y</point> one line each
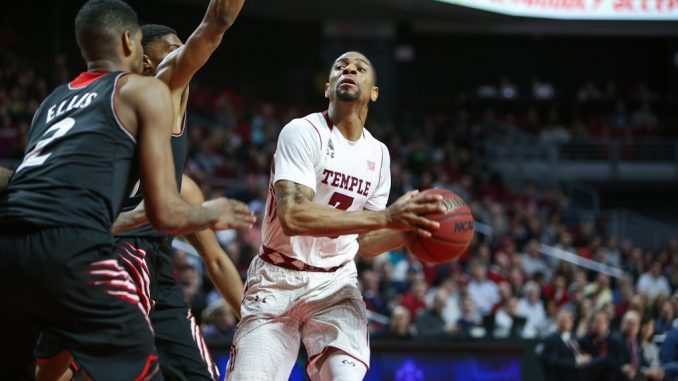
<point>415,299</point>
<point>219,324</point>
<point>430,322</point>
<point>532,308</point>
<point>667,315</point>
<point>470,318</point>
<point>563,360</point>
<point>508,321</point>
<point>451,312</point>
<point>482,291</point>
<point>399,328</point>
<point>653,283</point>
<point>650,368</point>
<point>532,261</point>
<point>599,291</point>
<point>370,288</point>
<point>668,355</point>
<point>630,355</point>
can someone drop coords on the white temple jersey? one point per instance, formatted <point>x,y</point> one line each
<point>343,174</point>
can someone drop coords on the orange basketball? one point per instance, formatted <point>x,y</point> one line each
<point>452,238</point>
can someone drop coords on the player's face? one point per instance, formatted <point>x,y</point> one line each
<point>133,52</point>
<point>351,79</point>
<point>158,50</point>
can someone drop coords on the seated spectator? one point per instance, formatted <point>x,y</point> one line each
<point>650,368</point>
<point>667,316</point>
<point>653,282</point>
<point>629,355</point>
<point>599,291</point>
<point>563,360</point>
<point>219,326</point>
<point>668,355</point>
<point>415,299</point>
<point>532,308</point>
<point>508,322</point>
<point>470,318</point>
<point>370,288</point>
<point>430,322</point>
<point>532,260</point>
<point>482,291</point>
<point>399,328</point>
<point>451,312</point>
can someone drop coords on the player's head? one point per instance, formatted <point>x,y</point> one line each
<point>352,79</point>
<point>158,41</point>
<point>108,30</point>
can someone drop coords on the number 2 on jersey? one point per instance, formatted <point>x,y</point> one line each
<point>35,156</point>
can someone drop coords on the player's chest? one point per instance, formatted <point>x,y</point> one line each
<point>349,169</point>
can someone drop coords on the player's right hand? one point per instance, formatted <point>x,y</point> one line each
<point>407,213</point>
<point>232,214</point>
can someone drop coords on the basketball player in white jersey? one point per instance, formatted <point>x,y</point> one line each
<point>329,186</point>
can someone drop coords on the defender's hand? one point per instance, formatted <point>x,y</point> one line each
<point>232,214</point>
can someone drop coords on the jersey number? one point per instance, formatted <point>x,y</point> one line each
<point>35,157</point>
<point>340,201</point>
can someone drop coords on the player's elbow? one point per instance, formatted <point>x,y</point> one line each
<point>290,226</point>
<point>163,220</point>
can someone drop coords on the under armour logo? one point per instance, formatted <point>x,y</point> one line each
<point>256,299</point>
<point>330,149</point>
<point>351,363</point>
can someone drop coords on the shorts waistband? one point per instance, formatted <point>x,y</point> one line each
<point>281,260</point>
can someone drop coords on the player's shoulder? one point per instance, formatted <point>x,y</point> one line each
<point>139,86</point>
<point>308,128</point>
<point>376,142</point>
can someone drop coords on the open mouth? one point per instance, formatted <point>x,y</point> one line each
<point>348,81</point>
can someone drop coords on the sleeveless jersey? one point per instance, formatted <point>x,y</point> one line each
<point>78,162</point>
<point>344,174</point>
<point>179,154</point>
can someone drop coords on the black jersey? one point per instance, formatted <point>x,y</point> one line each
<point>179,153</point>
<point>78,162</point>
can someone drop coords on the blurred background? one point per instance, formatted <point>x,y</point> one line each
<point>559,129</point>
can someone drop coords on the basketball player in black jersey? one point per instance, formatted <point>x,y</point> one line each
<point>145,252</point>
<point>59,270</point>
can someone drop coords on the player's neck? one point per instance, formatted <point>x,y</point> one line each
<point>349,118</point>
<point>105,65</point>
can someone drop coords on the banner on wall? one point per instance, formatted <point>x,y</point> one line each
<point>579,9</point>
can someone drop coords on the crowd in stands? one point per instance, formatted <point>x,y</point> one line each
<point>503,287</point>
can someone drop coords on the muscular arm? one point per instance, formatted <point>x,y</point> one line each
<point>130,219</point>
<point>149,100</point>
<point>222,272</point>
<point>379,241</point>
<point>5,175</point>
<point>299,215</point>
<point>181,65</point>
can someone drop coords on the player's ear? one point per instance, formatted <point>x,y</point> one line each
<point>327,90</point>
<point>374,94</point>
<point>148,65</point>
<point>127,43</point>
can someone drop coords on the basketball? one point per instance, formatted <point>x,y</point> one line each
<point>452,238</point>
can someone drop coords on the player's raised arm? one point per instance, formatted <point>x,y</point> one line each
<point>150,100</point>
<point>180,66</point>
<point>221,270</point>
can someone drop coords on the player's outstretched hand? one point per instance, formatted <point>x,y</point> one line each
<point>408,212</point>
<point>233,214</point>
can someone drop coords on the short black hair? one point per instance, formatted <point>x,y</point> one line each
<point>100,22</point>
<point>153,32</point>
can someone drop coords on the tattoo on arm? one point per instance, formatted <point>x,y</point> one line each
<point>5,175</point>
<point>288,194</point>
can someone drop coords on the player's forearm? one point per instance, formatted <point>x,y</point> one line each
<point>313,219</point>
<point>380,241</point>
<point>177,217</point>
<point>129,220</point>
<point>222,271</point>
<point>221,14</point>
<point>5,176</point>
